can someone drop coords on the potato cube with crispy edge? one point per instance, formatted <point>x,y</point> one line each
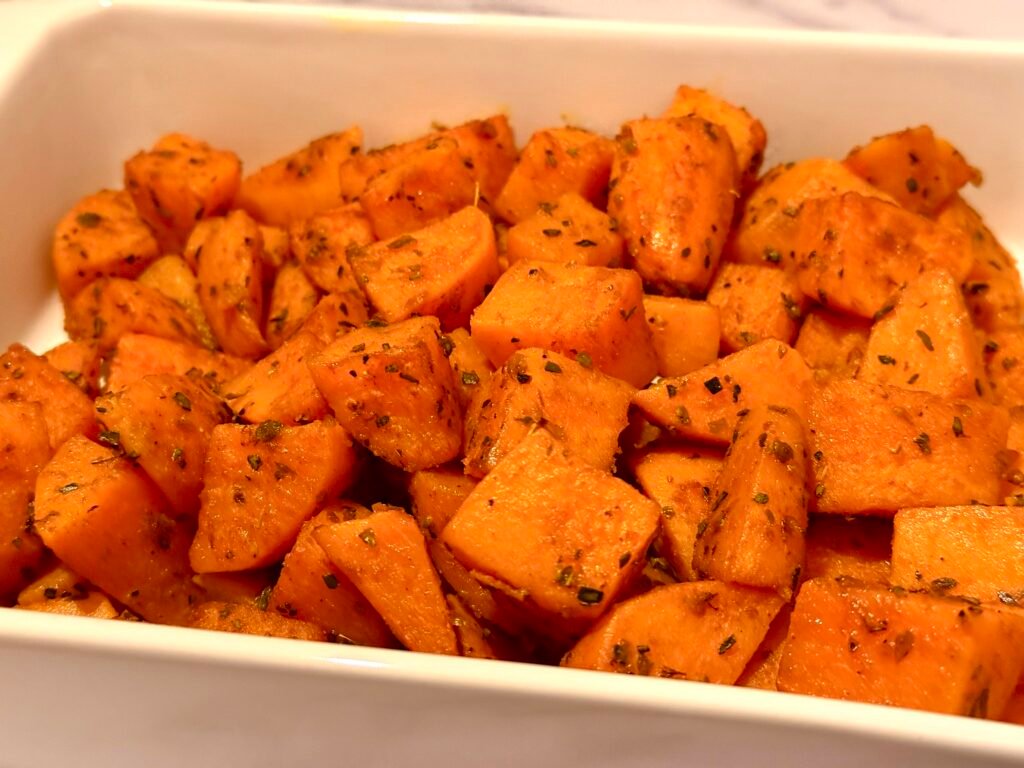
<point>755,303</point>
<point>300,184</point>
<point>705,405</point>
<point>680,478</point>
<point>745,131</point>
<point>1004,355</point>
<point>685,333</point>
<point>138,355</point>
<point>705,631</point>
<point>762,670</point>
<point>248,619</point>
<point>260,484</point>
<point>101,236</point>
<point>591,313</point>
<point>860,547</point>
<point>174,278</point>
<point>927,342</point>
<point>553,163</point>
<point>754,533</point>
<point>877,449</point>
<point>322,245</point>
<point>385,557</point>
<point>310,588</point>
<point>854,253</point>
<point>874,644</point>
<point>109,523</point>
<point>565,538</point>
<point>579,406</point>
<point>832,344</point>
<point>335,315</point>
<point>766,232</point>
<point>469,364</point>
<point>164,422</point>
<point>60,590</point>
<point>436,495</point>
<point>973,550</point>
<point>230,276</point>
<point>673,190</point>
<point>393,390</point>
<point>920,170</point>
<point>80,362</point>
<point>568,230</point>
<point>292,299</point>
<point>179,182</point>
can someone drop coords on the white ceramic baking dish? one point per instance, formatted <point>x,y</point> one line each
<point>83,86</point>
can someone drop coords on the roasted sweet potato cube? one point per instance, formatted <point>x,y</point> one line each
<point>879,449</point>
<point>481,600</point>
<point>385,556</point>
<point>174,278</point>
<point>260,484</point>
<point>470,365</point>
<point>869,643</point>
<point>393,389</point>
<point>563,537</point>
<point>755,303</point>
<point>723,625</point>
<point>335,315</point>
<point>322,245</point>
<point>569,230</point>
<point>833,344</point>
<point>685,333</point>
<point>277,247</point>
<point>573,310</point>
<point>754,534</point>
<point>857,547</point>
<point>60,590</point>
<point>312,589</point>
<point>164,422</point>
<point>1004,356</point>
<point>472,637</point>
<point>579,406</point>
<point>553,163</point>
<point>109,523</point>
<point>179,182</point>
<point>94,605</point>
<point>920,170</point>
<point>436,495</point>
<point>704,405</point>
<point>762,670</point>
<point>80,362</point>
<point>301,183</point>
<point>673,193</point>
<point>139,355</point>
<point>101,236</point>
<point>292,300</point>
<point>237,587</point>
<point>854,253</point>
<point>745,131</point>
<point>248,619</point>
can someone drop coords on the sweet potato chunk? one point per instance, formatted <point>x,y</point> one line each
<point>722,625</point>
<point>237,587</point>
<point>879,449</point>
<point>673,193</point>
<point>704,405</point>
<point>177,183</point>
<point>436,495</point>
<point>762,670</point>
<point>473,638</point>
<point>60,590</point>
<point>277,247</point>
<point>470,365</point>
<point>563,537</point>
<point>755,303</point>
<point>248,619</point>
<point>173,277</point>
<point>580,407</point>
<point>260,484</point>
<point>441,270</point>
<point>572,310</point>
<point>1004,354</point>
<point>833,344</point>
<point>101,236</point>
<point>335,315</point>
<point>385,556</point>
<point>569,230</point>
<point>139,355</point>
<point>754,534</point>
<point>920,170</point>
<point>685,333</point>
<point>322,245</point>
<point>109,523</point>
<point>80,362</point>
<point>292,300</point>
<point>858,547</point>
<point>301,183</point>
<point>867,643</point>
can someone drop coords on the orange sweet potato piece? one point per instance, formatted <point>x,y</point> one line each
<point>833,344</point>
<point>853,253</point>
<point>436,495</point>
<point>879,449</point>
<point>1004,354</point>
<point>553,163</point>
<point>858,547</point>
<point>762,670</point>
<point>301,183</point>
<point>101,236</point>
<point>581,408</point>
<point>80,362</point>
<point>479,599</point>
<point>60,590</point>
<point>755,303</point>
<point>292,300</point>
<point>174,278</point>
<point>920,170</point>
<point>260,484</point>
<point>723,625</point>
<point>1013,473</point>
<point>563,537</point>
<point>673,190</point>
<point>568,230</point>
<point>469,364</point>
<point>754,534</point>
<point>322,245</point>
<point>973,551</point>
<point>392,388</point>
<point>472,637</point>
<point>248,619</point>
<point>569,309</point>
<point>312,589</point>
<point>385,556</point>
<point>95,605</point>
<point>277,247</point>
<point>164,422</point>
<point>139,355</point>
<point>867,643</point>
<point>335,315</point>
<point>237,587</point>
<point>704,405</point>
<point>685,333</point>
<point>109,523</point>
<point>177,183</point>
